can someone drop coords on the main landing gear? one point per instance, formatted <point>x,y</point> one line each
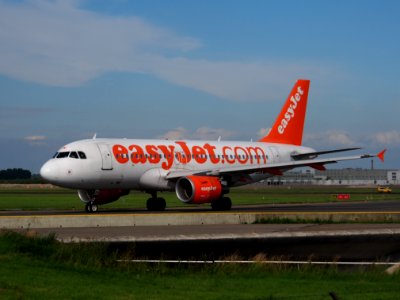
<point>91,207</point>
<point>224,203</point>
<point>155,204</point>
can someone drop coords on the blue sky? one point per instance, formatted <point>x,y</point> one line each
<point>197,70</point>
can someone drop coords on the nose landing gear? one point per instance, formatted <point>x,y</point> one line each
<point>91,207</point>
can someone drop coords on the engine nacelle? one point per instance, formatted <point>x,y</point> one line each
<point>198,189</point>
<point>101,196</point>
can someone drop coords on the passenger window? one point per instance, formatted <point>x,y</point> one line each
<point>74,155</point>
<point>62,154</point>
<point>82,155</point>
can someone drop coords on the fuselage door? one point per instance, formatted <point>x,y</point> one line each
<point>105,157</point>
<point>275,155</point>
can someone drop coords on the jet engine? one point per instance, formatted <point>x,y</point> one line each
<point>198,189</point>
<point>98,197</point>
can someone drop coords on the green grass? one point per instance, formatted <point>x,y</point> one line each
<point>36,198</point>
<point>278,195</point>
<point>41,267</point>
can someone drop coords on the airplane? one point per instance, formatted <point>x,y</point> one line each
<point>103,170</point>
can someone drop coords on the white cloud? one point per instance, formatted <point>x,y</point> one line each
<point>206,133</point>
<point>175,134</point>
<point>57,43</point>
<point>263,132</point>
<point>202,133</point>
<point>332,138</point>
<point>340,138</point>
<point>35,138</point>
<point>389,138</point>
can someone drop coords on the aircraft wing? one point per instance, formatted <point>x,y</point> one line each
<point>311,155</point>
<point>274,168</point>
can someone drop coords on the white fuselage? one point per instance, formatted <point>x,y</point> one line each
<point>145,164</point>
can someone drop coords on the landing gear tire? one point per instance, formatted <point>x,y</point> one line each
<point>156,204</point>
<point>91,208</point>
<point>224,203</point>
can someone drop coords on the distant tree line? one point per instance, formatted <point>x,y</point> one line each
<point>15,174</point>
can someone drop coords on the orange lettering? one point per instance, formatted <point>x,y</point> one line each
<point>154,157</point>
<point>213,157</point>
<point>184,159</point>
<point>199,154</point>
<point>120,154</point>
<point>257,152</point>
<point>169,156</point>
<point>241,155</point>
<point>137,156</point>
<point>227,157</point>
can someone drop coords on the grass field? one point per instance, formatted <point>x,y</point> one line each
<point>35,197</point>
<point>41,268</point>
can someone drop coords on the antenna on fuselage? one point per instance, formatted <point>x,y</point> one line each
<point>94,136</point>
<point>219,138</point>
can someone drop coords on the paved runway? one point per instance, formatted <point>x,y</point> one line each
<point>391,206</point>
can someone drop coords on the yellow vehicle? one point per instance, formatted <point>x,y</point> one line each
<point>384,189</point>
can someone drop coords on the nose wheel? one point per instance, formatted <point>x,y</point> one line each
<point>91,208</point>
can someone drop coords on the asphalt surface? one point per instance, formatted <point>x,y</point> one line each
<point>364,206</point>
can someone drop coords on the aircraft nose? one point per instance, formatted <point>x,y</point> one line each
<point>49,172</point>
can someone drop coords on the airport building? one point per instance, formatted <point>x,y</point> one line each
<point>338,177</point>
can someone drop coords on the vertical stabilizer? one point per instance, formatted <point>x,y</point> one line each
<point>288,127</point>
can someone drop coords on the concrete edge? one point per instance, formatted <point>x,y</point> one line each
<point>169,219</point>
<point>245,236</point>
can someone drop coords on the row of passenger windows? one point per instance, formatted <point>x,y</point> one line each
<point>72,154</point>
<point>193,156</point>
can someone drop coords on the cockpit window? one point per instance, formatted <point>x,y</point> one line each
<point>73,154</point>
<point>62,154</point>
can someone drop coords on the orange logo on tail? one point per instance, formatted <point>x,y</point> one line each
<point>289,115</point>
<point>288,127</point>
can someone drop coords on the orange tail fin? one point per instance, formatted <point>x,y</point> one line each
<point>288,127</point>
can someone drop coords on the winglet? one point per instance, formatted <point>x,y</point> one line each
<point>381,155</point>
<point>288,127</point>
